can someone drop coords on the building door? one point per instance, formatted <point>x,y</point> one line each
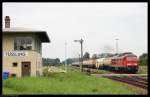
<point>26,68</point>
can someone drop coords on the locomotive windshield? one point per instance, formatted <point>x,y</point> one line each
<point>131,58</point>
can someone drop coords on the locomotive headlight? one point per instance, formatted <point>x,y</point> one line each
<point>131,64</point>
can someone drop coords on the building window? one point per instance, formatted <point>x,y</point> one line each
<point>23,43</point>
<point>15,64</point>
<point>13,75</point>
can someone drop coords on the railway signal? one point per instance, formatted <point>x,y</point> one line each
<point>81,42</point>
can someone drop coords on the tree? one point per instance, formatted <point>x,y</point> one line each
<point>44,62</point>
<point>86,55</point>
<point>56,61</point>
<point>69,61</point>
<point>48,61</point>
<point>94,56</point>
<point>143,59</point>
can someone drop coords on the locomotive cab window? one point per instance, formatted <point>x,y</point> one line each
<point>131,58</point>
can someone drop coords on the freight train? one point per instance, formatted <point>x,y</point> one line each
<point>125,62</point>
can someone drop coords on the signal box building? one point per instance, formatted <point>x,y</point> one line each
<point>22,50</point>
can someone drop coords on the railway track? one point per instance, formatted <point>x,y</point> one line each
<point>132,80</point>
<point>138,80</point>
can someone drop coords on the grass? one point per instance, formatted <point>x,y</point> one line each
<point>72,82</point>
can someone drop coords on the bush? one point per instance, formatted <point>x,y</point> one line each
<point>52,73</point>
<point>143,59</point>
<point>45,72</point>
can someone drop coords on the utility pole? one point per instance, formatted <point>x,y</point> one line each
<point>81,54</point>
<point>116,45</point>
<point>81,42</point>
<point>66,56</point>
<point>79,59</point>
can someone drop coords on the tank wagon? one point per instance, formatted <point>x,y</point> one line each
<point>90,63</point>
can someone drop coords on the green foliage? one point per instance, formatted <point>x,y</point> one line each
<point>69,61</point>
<point>94,56</point>
<point>45,72</point>
<point>49,74</point>
<point>48,61</point>
<point>86,55</point>
<point>143,69</point>
<point>143,59</point>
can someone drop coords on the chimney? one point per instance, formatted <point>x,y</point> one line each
<point>7,22</point>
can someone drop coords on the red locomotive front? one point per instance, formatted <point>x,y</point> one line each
<point>125,62</point>
<point>131,63</point>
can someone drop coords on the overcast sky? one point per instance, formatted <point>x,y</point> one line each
<point>97,23</point>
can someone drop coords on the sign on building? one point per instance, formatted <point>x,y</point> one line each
<point>15,53</point>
